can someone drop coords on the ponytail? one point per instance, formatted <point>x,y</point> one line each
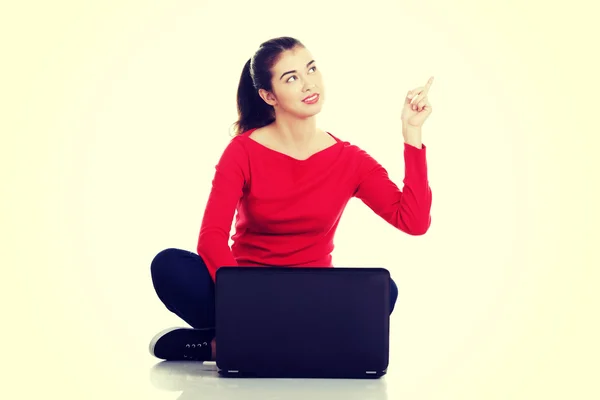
<point>253,111</point>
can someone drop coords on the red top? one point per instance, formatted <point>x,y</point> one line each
<point>288,209</point>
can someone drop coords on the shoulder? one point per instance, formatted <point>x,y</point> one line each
<point>235,155</point>
<point>359,162</point>
<point>236,147</point>
<point>354,152</point>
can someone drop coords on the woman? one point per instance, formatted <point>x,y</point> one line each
<point>289,182</point>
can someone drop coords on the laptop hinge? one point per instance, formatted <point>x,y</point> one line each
<point>371,372</point>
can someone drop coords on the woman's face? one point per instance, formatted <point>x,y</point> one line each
<point>294,78</point>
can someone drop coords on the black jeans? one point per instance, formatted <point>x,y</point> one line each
<point>184,285</point>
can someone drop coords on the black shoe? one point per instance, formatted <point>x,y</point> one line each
<point>183,344</point>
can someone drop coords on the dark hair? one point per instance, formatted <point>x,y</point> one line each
<point>253,111</point>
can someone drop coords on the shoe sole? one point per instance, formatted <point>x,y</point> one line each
<point>157,337</point>
<point>164,332</point>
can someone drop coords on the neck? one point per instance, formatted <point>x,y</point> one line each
<point>294,132</point>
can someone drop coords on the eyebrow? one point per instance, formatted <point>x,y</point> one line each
<point>290,72</point>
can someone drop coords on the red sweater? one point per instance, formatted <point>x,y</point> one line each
<point>288,210</point>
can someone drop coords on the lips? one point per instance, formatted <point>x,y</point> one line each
<point>311,98</point>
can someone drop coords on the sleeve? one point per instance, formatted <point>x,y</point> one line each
<point>408,209</point>
<point>230,176</point>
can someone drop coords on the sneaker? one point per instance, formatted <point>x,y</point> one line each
<point>183,344</point>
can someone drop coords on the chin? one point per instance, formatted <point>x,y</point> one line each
<point>316,111</point>
<point>311,111</point>
<point>307,115</point>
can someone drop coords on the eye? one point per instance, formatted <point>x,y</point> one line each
<point>294,76</point>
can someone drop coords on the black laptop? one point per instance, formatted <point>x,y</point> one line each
<point>302,322</point>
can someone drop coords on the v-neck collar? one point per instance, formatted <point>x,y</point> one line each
<point>312,156</point>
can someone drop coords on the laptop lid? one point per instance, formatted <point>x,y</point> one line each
<point>302,322</point>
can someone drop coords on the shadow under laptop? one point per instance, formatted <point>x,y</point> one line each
<point>196,379</point>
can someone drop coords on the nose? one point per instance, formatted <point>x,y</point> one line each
<point>308,85</point>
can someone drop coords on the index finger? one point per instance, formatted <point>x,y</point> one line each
<point>428,84</point>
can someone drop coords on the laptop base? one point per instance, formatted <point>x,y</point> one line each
<point>302,375</point>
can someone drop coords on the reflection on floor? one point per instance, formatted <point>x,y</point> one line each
<point>201,381</point>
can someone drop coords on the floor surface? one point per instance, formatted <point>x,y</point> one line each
<point>188,380</point>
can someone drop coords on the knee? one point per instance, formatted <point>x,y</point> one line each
<point>393,290</point>
<point>162,263</point>
<point>393,294</point>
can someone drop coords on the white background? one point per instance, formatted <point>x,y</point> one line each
<point>115,113</point>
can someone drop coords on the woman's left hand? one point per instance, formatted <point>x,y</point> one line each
<point>417,106</point>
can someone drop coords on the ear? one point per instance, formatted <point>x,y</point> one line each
<point>268,97</point>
